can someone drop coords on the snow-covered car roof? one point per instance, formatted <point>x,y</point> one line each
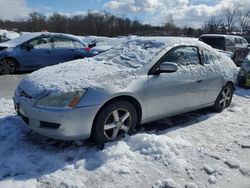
<point>25,37</point>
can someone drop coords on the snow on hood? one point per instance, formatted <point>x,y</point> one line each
<point>76,75</point>
<point>19,40</point>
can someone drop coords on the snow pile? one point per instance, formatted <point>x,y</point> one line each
<point>160,148</point>
<point>6,107</point>
<point>202,149</point>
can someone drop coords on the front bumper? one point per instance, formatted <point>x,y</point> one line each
<point>63,124</point>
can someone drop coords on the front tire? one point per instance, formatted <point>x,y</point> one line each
<point>114,121</point>
<point>8,66</point>
<point>224,98</point>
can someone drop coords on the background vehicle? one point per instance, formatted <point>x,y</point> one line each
<point>97,44</point>
<point>36,50</point>
<point>235,44</point>
<point>243,79</point>
<point>7,35</point>
<point>140,81</point>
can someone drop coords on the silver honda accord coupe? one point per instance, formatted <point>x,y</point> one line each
<point>143,80</point>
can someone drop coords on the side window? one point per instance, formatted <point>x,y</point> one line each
<point>62,43</point>
<point>229,42</point>
<point>237,40</point>
<point>183,56</point>
<point>41,43</point>
<point>209,57</point>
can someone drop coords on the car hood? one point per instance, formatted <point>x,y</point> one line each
<point>75,76</point>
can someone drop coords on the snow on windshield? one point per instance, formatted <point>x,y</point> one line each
<point>135,53</point>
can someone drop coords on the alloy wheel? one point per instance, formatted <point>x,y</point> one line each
<point>117,124</point>
<point>225,97</point>
<point>7,66</point>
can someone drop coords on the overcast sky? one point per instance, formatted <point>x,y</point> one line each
<point>184,12</point>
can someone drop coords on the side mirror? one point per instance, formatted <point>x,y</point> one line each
<point>168,67</point>
<point>28,47</point>
<point>92,44</point>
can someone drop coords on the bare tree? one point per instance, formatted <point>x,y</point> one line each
<point>36,21</point>
<point>231,15</point>
<point>214,25</point>
<point>244,20</point>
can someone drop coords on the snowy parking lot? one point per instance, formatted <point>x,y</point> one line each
<point>197,149</point>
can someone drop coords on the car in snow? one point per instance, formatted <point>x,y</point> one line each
<point>235,47</point>
<point>8,35</point>
<point>140,81</point>
<point>36,50</point>
<point>243,79</point>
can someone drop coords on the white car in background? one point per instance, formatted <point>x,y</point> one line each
<point>8,35</point>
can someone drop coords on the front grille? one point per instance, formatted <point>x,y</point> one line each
<point>25,119</point>
<point>49,125</point>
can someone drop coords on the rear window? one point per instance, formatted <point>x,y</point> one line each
<point>215,42</point>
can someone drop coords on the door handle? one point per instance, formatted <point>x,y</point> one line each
<point>199,81</point>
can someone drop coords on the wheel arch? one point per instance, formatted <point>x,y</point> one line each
<point>10,57</point>
<point>231,83</point>
<point>128,98</point>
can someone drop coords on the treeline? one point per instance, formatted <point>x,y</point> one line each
<point>106,24</point>
<point>94,23</point>
<point>232,20</point>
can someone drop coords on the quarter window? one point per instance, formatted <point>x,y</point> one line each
<point>183,56</point>
<point>63,43</point>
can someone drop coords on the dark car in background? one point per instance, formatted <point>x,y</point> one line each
<point>243,79</point>
<point>237,46</point>
<point>36,50</point>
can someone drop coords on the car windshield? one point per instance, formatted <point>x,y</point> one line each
<point>133,54</point>
<point>215,42</point>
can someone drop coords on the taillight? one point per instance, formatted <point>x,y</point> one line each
<point>87,49</point>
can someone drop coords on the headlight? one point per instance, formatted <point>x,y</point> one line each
<point>66,100</point>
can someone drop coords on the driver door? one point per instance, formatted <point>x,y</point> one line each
<point>172,93</point>
<point>37,53</point>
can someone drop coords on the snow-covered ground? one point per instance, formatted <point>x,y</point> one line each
<point>198,149</point>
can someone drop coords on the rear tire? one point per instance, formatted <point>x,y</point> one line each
<point>114,121</point>
<point>8,66</point>
<point>224,98</point>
